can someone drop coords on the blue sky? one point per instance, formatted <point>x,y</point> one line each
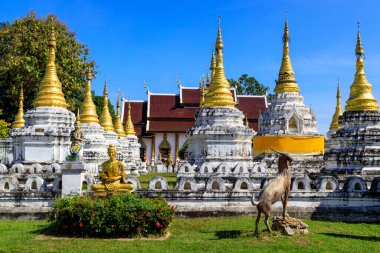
<point>133,41</point>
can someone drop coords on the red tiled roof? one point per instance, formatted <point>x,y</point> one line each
<point>252,106</point>
<point>177,126</point>
<point>168,107</point>
<point>190,96</point>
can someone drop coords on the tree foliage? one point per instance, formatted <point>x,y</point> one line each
<point>4,127</point>
<point>247,85</point>
<point>24,56</point>
<point>98,101</point>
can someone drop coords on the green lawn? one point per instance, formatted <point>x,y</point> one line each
<point>171,178</point>
<point>231,234</point>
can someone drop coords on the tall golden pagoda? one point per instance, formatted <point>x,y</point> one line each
<point>286,79</point>
<point>19,119</point>
<point>105,118</point>
<point>118,125</point>
<point>50,90</point>
<point>338,112</point>
<point>129,128</point>
<point>88,109</point>
<point>361,96</point>
<point>219,93</point>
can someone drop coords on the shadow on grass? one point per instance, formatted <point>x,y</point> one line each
<point>228,234</point>
<point>356,237</point>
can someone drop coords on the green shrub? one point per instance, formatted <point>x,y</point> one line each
<point>113,216</point>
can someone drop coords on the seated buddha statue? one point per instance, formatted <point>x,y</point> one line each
<point>112,176</point>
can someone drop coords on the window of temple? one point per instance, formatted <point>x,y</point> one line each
<point>329,186</point>
<point>6,186</point>
<point>358,187</point>
<point>53,169</point>
<point>301,186</point>
<point>158,185</point>
<point>34,185</point>
<point>187,186</point>
<point>215,186</point>
<point>292,125</point>
<point>243,186</point>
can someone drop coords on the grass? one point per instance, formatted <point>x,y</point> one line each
<point>229,234</point>
<point>171,178</point>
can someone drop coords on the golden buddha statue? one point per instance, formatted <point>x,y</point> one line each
<point>112,176</point>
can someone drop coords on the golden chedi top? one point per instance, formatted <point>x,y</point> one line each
<point>19,121</point>
<point>88,109</point>
<point>286,79</point>
<point>118,125</point>
<point>77,120</point>
<point>338,112</point>
<point>202,92</point>
<point>129,128</point>
<point>219,93</point>
<point>105,118</point>
<point>361,96</point>
<point>213,64</point>
<point>50,90</point>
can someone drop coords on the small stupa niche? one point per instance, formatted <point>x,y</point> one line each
<point>219,136</point>
<point>288,125</point>
<point>353,147</point>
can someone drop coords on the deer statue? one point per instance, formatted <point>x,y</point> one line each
<point>274,190</point>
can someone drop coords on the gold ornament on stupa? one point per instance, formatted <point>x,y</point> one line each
<point>286,79</point>
<point>202,92</point>
<point>19,121</point>
<point>219,93</point>
<point>338,112</point>
<point>105,118</point>
<point>118,125</point>
<point>213,64</point>
<point>50,90</point>
<point>88,109</point>
<point>77,120</point>
<point>361,96</point>
<point>129,128</point>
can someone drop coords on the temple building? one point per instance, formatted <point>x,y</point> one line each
<point>354,146</point>
<point>288,125</point>
<point>164,127</point>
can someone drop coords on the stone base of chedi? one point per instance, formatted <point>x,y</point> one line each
<point>289,226</point>
<point>219,136</point>
<point>354,148</point>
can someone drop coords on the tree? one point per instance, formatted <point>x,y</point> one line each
<point>98,101</point>
<point>4,127</point>
<point>24,56</point>
<point>247,85</point>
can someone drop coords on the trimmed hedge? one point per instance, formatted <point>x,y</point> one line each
<point>111,216</point>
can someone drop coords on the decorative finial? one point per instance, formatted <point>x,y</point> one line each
<point>19,121</point>
<point>118,125</point>
<point>129,128</point>
<point>338,111</point>
<point>286,78</point>
<point>88,109</point>
<point>361,95</point>
<point>50,92</point>
<point>105,118</point>
<point>146,88</point>
<point>178,82</point>
<point>219,93</point>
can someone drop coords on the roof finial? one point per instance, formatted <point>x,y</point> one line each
<point>105,118</point>
<point>286,78</point>
<point>118,125</point>
<point>88,109</point>
<point>19,119</point>
<point>146,88</point>
<point>178,82</point>
<point>129,128</point>
<point>338,111</point>
<point>50,92</point>
<point>361,95</point>
<point>219,93</point>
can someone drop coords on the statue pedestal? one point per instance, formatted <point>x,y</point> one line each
<point>290,226</point>
<point>73,174</point>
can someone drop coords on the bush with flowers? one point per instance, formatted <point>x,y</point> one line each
<point>111,216</point>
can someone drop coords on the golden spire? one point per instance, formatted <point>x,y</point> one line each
<point>361,96</point>
<point>338,112</point>
<point>77,121</point>
<point>213,64</point>
<point>129,128</point>
<point>219,93</point>
<point>202,92</point>
<point>50,90</point>
<point>106,119</point>
<point>19,119</point>
<point>88,108</point>
<point>118,125</point>
<point>286,78</point>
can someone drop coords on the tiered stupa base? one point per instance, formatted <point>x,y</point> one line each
<point>46,136</point>
<point>355,147</point>
<point>130,149</point>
